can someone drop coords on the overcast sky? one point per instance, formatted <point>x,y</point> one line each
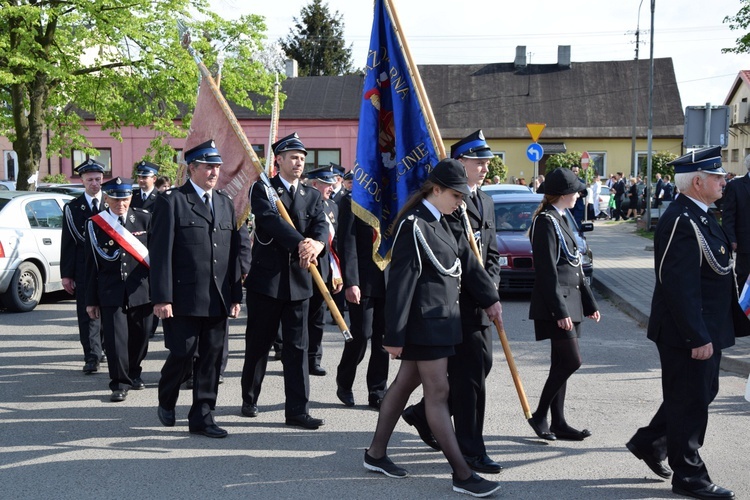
<point>691,32</point>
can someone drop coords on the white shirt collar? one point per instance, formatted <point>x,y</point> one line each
<point>200,190</point>
<point>434,211</point>
<point>89,198</point>
<point>287,183</point>
<point>700,204</point>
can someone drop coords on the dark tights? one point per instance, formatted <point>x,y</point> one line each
<point>433,375</point>
<point>566,359</point>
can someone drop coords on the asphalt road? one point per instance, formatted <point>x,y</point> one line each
<point>61,438</point>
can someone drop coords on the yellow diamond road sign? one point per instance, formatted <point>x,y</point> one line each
<point>535,129</point>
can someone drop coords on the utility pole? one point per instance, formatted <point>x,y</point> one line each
<point>636,89</point>
<point>650,116</point>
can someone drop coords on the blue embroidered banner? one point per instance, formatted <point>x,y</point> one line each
<point>394,149</point>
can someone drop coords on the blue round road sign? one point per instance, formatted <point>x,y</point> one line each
<point>534,152</point>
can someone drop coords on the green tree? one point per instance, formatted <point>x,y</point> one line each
<point>316,42</point>
<point>659,165</point>
<point>740,21</point>
<point>569,160</point>
<point>497,168</point>
<point>118,61</point>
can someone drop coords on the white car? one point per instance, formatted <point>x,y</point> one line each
<point>31,226</point>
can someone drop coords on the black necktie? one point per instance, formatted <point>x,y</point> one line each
<point>122,220</point>
<point>207,197</point>
<point>95,205</point>
<point>477,201</point>
<point>292,191</point>
<point>145,196</point>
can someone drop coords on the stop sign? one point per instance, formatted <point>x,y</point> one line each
<point>585,160</point>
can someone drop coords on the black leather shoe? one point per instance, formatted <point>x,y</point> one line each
<point>305,421</point>
<point>166,417</point>
<point>118,395</point>
<point>345,397</point>
<point>91,366</point>
<point>657,466</point>
<point>544,435</point>
<point>484,464</point>
<point>709,492</point>
<point>138,384</point>
<point>422,428</point>
<point>212,431</point>
<point>570,434</point>
<point>221,379</point>
<point>317,370</point>
<point>189,384</point>
<point>249,410</point>
<point>374,402</point>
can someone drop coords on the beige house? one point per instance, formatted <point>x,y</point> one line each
<point>739,124</point>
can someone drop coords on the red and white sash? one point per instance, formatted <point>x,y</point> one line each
<point>110,225</point>
<point>333,258</point>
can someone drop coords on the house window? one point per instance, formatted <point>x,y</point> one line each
<point>598,161</point>
<point>735,155</point>
<point>104,157</point>
<point>320,157</point>
<point>500,154</point>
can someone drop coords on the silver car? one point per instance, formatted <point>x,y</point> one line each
<point>31,227</point>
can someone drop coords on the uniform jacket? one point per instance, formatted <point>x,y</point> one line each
<point>693,305</point>
<point>421,304</point>
<point>339,195</point>
<point>560,290</point>
<point>355,245</point>
<point>471,312</point>
<point>148,204</point>
<point>194,256</point>
<point>72,256</point>
<point>736,213</point>
<point>275,271</point>
<point>122,282</point>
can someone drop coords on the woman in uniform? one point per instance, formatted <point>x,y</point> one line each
<point>423,322</point>
<point>560,300</point>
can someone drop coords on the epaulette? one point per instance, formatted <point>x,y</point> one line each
<point>221,192</point>
<point>138,209</point>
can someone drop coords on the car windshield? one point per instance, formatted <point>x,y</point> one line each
<point>3,202</point>
<point>514,216</point>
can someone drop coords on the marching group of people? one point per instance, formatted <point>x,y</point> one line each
<point>133,257</point>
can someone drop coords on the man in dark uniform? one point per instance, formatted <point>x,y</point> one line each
<point>468,369</point>
<point>694,316</point>
<point>117,288</point>
<point>736,221</point>
<point>195,285</point>
<point>338,194</point>
<point>364,289</point>
<point>323,179</point>
<point>144,196</point>
<point>279,285</point>
<point>73,262</point>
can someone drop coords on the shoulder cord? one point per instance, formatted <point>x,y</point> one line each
<point>271,195</point>
<point>467,227</point>
<point>98,251</point>
<point>72,225</point>
<point>454,271</point>
<point>573,259</point>
<point>702,247</point>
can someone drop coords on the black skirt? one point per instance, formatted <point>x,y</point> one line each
<point>415,352</point>
<point>544,330</point>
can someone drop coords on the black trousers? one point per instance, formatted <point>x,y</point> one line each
<point>89,330</point>
<point>467,371</point>
<point>677,430</point>
<point>126,339</point>
<point>264,314</point>
<point>367,324</point>
<point>315,326</point>
<point>184,336</point>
